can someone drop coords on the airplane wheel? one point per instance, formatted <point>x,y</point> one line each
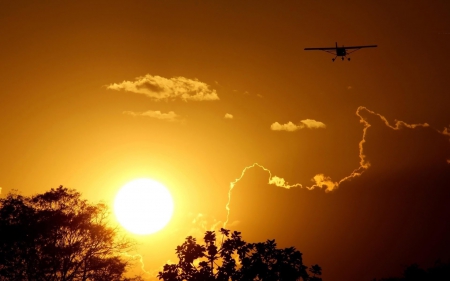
<point>348,59</point>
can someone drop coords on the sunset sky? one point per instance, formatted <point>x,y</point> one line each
<point>352,158</point>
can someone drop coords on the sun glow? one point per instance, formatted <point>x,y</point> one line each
<point>143,206</point>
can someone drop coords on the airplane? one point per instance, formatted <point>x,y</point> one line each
<point>340,51</point>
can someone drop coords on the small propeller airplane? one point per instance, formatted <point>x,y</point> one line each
<point>340,51</point>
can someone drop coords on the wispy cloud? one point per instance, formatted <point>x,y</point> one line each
<point>170,116</point>
<point>160,88</point>
<point>247,93</point>
<point>228,116</point>
<point>291,127</point>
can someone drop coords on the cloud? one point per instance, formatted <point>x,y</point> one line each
<point>170,116</point>
<point>228,116</point>
<point>291,127</point>
<point>277,181</point>
<point>201,223</point>
<point>313,124</point>
<point>325,182</point>
<point>247,93</point>
<point>160,88</point>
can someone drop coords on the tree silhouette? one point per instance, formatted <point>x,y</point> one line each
<point>439,272</point>
<point>234,259</point>
<point>58,236</point>
<point>316,270</point>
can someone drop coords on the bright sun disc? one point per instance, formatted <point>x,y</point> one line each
<point>143,206</point>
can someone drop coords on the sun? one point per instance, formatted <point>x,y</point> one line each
<point>143,206</point>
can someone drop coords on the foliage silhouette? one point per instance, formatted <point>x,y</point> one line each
<point>439,272</point>
<point>234,259</point>
<point>58,236</point>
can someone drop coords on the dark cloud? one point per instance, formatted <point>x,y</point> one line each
<point>395,213</point>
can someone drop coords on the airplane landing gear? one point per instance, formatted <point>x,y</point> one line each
<point>348,59</point>
<point>333,59</point>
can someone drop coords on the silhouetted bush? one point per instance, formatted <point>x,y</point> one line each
<point>234,259</point>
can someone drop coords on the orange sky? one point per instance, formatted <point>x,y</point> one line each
<point>189,93</point>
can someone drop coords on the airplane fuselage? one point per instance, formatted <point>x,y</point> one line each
<point>341,52</point>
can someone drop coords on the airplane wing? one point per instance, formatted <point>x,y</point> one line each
<point>331,50</point>
<point>336,49</point>
<point>352,49</point>
<point>321,49</point>
<point>360,47</point>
